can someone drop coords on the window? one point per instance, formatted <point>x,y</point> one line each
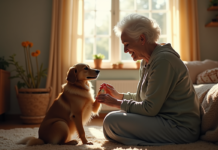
<point>100,17</point>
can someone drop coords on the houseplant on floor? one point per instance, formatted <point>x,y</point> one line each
<point>98,60</point>
<point>4,86</point>
<point>33,101</point>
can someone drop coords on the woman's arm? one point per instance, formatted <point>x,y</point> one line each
<point>161,82</point>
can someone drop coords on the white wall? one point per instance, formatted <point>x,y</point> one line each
<point>22,20</point>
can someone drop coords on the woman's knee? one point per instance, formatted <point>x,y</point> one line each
<point>111,118</point>
<point>110,124</point>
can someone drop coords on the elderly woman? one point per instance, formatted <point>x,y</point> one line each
<point>165,109</point>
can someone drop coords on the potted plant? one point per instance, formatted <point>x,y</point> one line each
<point>33,101</point>
<point>4,86</point>
<point>138,63</point>
<point>120,65</point>
<point>114,66</point>
<point>98,60</point>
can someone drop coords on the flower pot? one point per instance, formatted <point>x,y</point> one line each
<point>114,66</point>
<point>97,63</point>
<point>138,65</point>
<point>120,66</point>
<point>33,104</point>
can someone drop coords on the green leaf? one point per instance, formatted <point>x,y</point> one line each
<point>20,84</point>
<point>12,77</point>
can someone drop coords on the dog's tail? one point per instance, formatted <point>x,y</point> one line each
<point>30,141</point>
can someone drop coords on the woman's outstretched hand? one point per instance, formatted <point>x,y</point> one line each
<point>108,100</point>
<point>113,92</point>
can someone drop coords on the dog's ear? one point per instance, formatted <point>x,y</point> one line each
<point>71,75</point>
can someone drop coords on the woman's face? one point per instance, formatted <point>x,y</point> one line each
<point>135,48</point>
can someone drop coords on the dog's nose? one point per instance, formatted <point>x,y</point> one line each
<point>97,71</point>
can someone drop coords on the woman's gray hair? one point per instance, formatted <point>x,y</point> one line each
<point>134,25</point>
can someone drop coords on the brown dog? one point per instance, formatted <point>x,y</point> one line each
<point>72,109</point>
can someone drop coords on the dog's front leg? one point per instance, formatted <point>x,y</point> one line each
<point>96,107</point>
<point>77,117</point>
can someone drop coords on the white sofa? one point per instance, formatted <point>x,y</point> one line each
<point>208,96</point>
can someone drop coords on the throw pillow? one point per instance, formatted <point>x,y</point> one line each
<point>208,76</point>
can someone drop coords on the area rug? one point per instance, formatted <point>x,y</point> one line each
<point>8,139</point>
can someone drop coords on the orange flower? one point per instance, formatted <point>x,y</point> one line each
<point>30,44</point>
<point>24,44</point>
<point>27,42</point>
<point>37,52</point>
<point>33,54</point>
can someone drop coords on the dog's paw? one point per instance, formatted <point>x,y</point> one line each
<point>73,142</point>
<point>89,143</point>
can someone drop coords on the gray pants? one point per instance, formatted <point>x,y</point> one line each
<point>134,129</point>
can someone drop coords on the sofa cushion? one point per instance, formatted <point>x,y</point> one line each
<point>209,113</point>
<point>201,90</point>
<point>208,76</point>
<point>196,67</point>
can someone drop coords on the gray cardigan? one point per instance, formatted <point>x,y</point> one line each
<point>166,90</point>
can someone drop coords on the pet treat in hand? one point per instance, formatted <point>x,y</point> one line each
<point>103,89</point>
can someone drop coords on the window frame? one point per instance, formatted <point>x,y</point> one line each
<point>114,56</point>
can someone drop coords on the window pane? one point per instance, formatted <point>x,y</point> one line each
<point>143,4</point>
<point>159,4</point>
<point>126,4</point>
<point>89,42</point>
<point>144,14</point>
<point>102,46</point>
<point>89,23</point>
<point>102,23</point>
<point>89,4</point>
<point>161,20</point>
<point>103,4</point>
<point>124,56</point>
<point>123,14</point>
<point>162,40</point>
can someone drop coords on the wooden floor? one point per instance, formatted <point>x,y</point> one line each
<point>16,122</point>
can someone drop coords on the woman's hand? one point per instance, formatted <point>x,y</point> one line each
<point>108,100</point>
<point>111,90</point>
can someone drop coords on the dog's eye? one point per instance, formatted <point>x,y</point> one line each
<point>86,68</point>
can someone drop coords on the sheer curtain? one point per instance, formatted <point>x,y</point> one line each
<point>184,23</point>
<point>66,45</point>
